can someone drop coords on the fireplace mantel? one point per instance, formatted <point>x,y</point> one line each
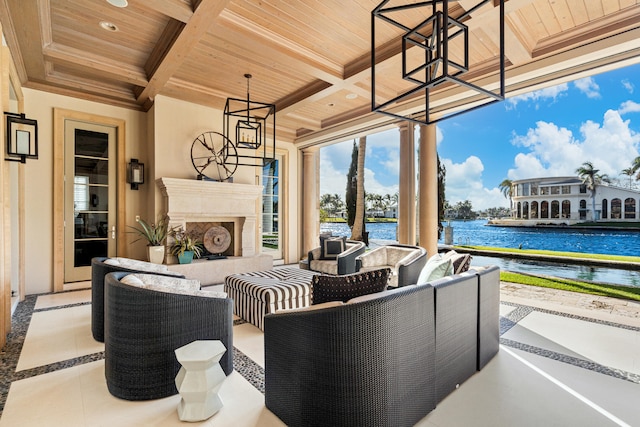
<point>190,200</point>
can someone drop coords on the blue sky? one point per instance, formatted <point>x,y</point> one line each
<point>549,132</point>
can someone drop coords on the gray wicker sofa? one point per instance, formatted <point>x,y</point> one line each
<point>385,359</point>
<point>143,327</point>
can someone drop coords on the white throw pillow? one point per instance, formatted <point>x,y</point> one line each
<point>132,280</point>
<point>436,267</point>
<point>134,264</point>
<point>167,284</point>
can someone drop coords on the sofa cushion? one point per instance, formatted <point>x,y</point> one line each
<point>331,247</point>
<point>161,283</point>
<point>461,262</point>
<point>343,288</point>
<point>436,267</point>
<point>324,266</point>
<point>135,264</point>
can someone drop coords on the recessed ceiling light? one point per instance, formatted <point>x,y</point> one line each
<point>351,96</point>
<point>108,26</point>
<point>118,3</point>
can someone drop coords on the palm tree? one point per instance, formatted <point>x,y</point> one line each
<point>357,232</point>
<point>628,172</point>
<point>591,178</point>
<point>506,186</point>
<point>635,166</point>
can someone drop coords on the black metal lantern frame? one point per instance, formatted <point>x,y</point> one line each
<point>429,41</point>
<point>22,138</point>
<point>253,122</point>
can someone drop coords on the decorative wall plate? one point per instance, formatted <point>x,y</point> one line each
<point>217,239</point>
<point>214,156</point>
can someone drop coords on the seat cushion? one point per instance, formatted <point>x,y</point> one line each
<point>156,282</point>
<point>327,267</point>
<point>343,288</point>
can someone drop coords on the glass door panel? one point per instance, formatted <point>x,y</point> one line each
<point>89,196</point>
<point>271,236</point>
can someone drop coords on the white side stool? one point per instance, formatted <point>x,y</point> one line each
<point>199,379</point>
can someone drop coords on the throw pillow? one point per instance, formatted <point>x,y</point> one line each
<point>167,284</point>
<point>326,288</point>
<point>331,247</point>
<point>436,267</point>
<point>461,263</point>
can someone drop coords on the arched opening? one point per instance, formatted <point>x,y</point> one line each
<point>616,209</point>
<point>544,209</point>
<point>566,209</point>
<point>534,210</point>
<point>555,209</point>
<point>519,210</point>
<point>525,210</point>
<point>630,208</point>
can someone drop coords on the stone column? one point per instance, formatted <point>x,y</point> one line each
<point>407,184</point>
<point>310,200</point>
<point>428,199</point>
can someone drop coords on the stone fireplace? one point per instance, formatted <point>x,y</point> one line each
<point>198,205</point>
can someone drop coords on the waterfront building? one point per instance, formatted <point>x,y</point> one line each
<point>567,201</point>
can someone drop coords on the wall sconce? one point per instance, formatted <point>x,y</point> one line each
<point>22,138</point>
<point>135,175</point>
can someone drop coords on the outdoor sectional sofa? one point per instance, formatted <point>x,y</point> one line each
<point>384,359</point>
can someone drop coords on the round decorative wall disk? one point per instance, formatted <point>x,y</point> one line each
<point>217,239</point>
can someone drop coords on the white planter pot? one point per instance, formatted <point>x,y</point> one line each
<point>155,254</point>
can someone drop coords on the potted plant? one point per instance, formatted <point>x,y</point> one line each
<point>184,246</point>
<point>155,235</point>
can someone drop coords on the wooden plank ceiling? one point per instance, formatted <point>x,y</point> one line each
<point>311,58</point>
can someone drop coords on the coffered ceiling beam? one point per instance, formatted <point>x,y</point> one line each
<point>60,54</point>
<point>179,10</point>
<point>180,46</point>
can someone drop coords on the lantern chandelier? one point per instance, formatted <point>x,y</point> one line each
<point>429,60</point>
<point>253,122</point>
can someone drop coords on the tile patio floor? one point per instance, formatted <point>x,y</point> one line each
<point>565,360</point>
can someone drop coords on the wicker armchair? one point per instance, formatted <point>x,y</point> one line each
<point>366,363</point>
<point>405,262</point>
<point>99,269</point>
<point>345,263</point>
<point>143,328</point>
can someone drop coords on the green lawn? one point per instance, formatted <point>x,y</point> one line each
<point>614,291</point>
<point>556,254</point>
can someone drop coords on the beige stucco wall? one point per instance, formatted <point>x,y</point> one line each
<point>177,123</point>
<point>160,138</point>
<point>38,178</point>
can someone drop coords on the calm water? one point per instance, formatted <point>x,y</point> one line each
<point>477,233</point>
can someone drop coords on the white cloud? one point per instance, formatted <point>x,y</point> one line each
<point>546,94</point>
<point>629,107</point>
<point>554,151</point>
<point>628,85</point>
<point>588,86</point>
<point>334,166</point>
<point>464,182</point>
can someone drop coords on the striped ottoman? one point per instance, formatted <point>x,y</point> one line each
<point>258,293</point>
